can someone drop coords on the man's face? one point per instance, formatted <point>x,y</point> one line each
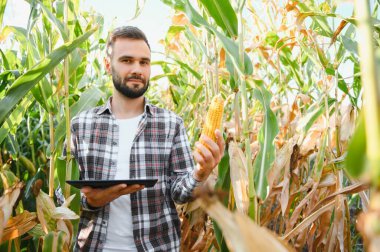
<point>130,67</point>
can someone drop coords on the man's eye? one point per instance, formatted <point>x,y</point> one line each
<point>144,63</point>
<point>127,60</point>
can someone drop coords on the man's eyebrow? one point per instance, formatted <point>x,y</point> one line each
<point>133,58</point>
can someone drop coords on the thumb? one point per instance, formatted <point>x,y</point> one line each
<point>86,189</point>
<point>116,188</point>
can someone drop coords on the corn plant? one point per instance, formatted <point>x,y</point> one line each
<point>301,133</point>
<point>31,96</point>
<point>290,114</point>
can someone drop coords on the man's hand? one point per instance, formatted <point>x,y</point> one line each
<point>208,157</point>
<point>101,197</point>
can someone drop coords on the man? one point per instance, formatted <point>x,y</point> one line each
<point>131,138</point>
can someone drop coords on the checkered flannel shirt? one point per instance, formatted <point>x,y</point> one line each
<point>159,150</point>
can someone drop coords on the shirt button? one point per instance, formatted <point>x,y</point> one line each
<point>114,143</point>
<point>112,162</point>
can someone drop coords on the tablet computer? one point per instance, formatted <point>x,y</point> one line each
<point>107,183</point>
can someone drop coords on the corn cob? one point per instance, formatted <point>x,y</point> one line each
<point>27,164</point>
<point>213,119</point>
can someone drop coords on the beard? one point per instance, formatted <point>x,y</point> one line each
<point>131,92</point>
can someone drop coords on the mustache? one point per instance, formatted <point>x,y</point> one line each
<point>135,77</point>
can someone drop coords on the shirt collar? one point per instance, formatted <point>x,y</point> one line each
<point>107,107</point>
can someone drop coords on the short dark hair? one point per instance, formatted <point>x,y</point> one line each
<point>130,32</point>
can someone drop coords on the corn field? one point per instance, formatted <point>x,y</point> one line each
<point>301,168</point>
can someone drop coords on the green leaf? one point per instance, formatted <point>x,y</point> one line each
<point>13,120</point>
<point>3,134</point>
<point>3,4</point>
<point>4,59</point>
<point>54,241</point>
<point>197,44</point>
<point>29,79</point>
<point>223,14</point>
<point>223,183</point>
<point>319,162</point>
<point>350,45</point>
<point>88,99</point>
<point>28,198</point>
<point>175,95</point>
<point>19,32</point>
<point>356,153</point>
<point>267,133</point>
<point>173,31</point>
<point>197,94</point>
<point>56,22</point>
<point>159,76</point>
<point>232,50</point>
<point>42,92</point>
<point>231,46</point>
<point>312,114</point>
<point>188,68</point>
<point>139,7</point>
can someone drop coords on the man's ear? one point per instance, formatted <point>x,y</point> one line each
<point>107,64</point>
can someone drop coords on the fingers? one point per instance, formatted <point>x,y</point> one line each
<point>131,189</point>
<point>220,141</point>
<point>86,189</point>
<point>213,151</point>
<point>100,197</point>
<point>115,189</point>
<point>199,157</point>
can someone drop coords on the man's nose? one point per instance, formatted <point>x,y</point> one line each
<point>137,69</point>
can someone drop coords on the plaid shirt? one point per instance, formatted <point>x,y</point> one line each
<point>159,150</point>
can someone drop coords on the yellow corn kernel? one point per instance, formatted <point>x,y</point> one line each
<point>214,118</point>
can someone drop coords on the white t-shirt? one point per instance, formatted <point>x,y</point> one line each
<point>120,228</point>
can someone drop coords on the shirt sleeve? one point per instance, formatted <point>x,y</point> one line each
<point>182,167</point>
<point>74,146</point>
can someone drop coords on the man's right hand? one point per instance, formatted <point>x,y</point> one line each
<point>101,197</point>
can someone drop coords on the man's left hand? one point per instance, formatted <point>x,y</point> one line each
<point>208,157</point>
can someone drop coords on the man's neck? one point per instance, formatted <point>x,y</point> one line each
<point>124,107</point>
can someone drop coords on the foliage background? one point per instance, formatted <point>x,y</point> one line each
<point>290,74</point>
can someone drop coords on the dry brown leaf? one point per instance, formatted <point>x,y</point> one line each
<point>42,219</point>
<point>304,98</point>
<point>348,123</point>
<point>338,30</point>
<point>311,141</point>
<point>19,225</point>
<point>327,180</point>
<point>240,232</point>
<point>298,209</point>
<point>324,227</point>
<point>356,188</point>
<point>7,202</point>
<point>239,177</point>
<point>222,58</point>
<point>180,19</point>
<point>307,221</point>
<point>61,226</point>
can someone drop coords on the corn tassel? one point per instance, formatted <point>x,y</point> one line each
<point>213,119</point>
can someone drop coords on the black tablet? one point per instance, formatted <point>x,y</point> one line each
<point>107,183</point>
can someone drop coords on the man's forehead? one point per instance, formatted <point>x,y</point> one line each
<point>131,47</point>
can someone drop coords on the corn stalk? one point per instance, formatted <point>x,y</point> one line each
<point>67,110</point>
<point>253,213</point>
<point>371,220</point>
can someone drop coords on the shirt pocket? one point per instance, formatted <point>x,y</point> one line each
<point>153,155</point>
